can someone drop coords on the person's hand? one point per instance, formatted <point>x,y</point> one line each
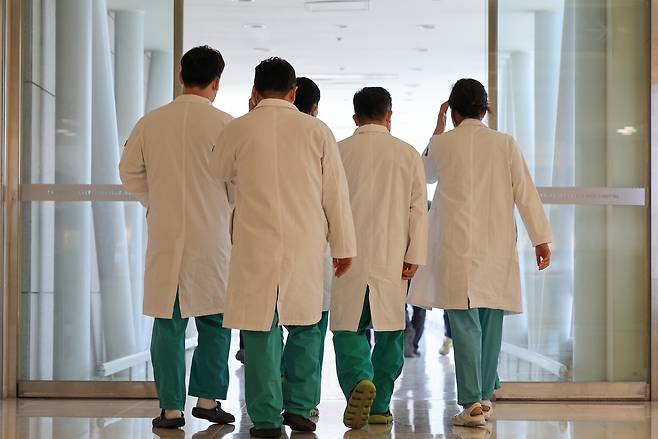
<point>442,119</point>
<point>408,270</point>
<point>341,265</point>
<point>543,252</point>
<point>252,103</point>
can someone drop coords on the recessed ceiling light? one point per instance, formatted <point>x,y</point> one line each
<point>413,85</point>
<point>341,26</point>
<point>421,49</point>
<point>416,69</point>
<point>254,26</point>
<point>261,49</point>
<point>337,5</point>
<point>427,26</point>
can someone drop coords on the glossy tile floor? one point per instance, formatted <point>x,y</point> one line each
<point>423,405</point>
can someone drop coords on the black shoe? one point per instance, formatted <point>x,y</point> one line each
<point>216,415</point>
<point>266,432</point>
<point>298,422</point>
<point>162,422</point>
<point>239,355</point>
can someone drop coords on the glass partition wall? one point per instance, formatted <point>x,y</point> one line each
<point>573,81</point>
<point>90,71</point>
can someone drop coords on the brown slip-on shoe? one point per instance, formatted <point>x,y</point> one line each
<point>298,422</point>
<point>162,422</point>
<point>216,415</point>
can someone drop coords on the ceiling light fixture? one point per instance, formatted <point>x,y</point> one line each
<point>261,49</point>
<point>337,5</point>
<point>416,69</point>
<point>254,26</point>
<point>427,26</point>
<point>421,49</point>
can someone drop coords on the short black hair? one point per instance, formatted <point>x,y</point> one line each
<point>200,66</point>
<point>372,103</point>
<point>274,75</point>
<point>469,98</point>
<point>308,94</point>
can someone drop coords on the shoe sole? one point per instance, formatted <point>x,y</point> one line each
<point>474,423</point>
<point>171,426</point>
<point>357,412</point>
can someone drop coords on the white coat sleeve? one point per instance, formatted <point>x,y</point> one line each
<point>417,247</point>
<point>222,160</point>
<point>132,167</point>
<point>336,201</point>
<point>431,174</point>
<point>527,199</point>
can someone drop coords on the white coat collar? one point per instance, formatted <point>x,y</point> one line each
<point>276,103</point>
<point>472,122</point>
<point>372,128</point>
<point>195,99</point>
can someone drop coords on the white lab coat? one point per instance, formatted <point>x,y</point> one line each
<point>165,165</point>
<point>389,202</point>
<point>291,198</point>
<point>472,259</point>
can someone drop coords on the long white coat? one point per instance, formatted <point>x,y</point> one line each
<point>291,197</point>
<point>472,260</point>
<point>389,202</point>
<point>165,165</point>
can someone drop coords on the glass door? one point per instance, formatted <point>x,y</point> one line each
<point>572,87</point>
<point>90,71</point>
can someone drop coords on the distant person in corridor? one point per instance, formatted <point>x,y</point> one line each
<point>473,269</point>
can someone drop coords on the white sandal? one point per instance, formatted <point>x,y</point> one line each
<point>467,419</point>
<point>487,409</point>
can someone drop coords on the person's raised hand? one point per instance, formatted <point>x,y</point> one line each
<point>442,118</point>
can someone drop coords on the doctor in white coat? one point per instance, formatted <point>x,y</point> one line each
<point>389,202</point>
<point>165,166</point>
<point>307,100</point>
<point>473,269</point>
<point>291,198</point>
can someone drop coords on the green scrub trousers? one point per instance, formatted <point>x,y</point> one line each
<point>266,393</point>
<point>476,336</point>
<point>209,375</point>
<point>354,362</point>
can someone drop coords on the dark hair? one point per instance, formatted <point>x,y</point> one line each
<point>372,103</point>
<point>200,66</point>
<point>274,75</point>
<point>469,98</point>
<point>308,94</point>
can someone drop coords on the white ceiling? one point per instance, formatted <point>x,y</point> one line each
<point>387,45</point>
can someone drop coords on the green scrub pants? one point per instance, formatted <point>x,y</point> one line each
<point>209,375</point>
<point>322,325</point>
<point>354,362</point>
<point>476,336</point>
<point>266,393</point>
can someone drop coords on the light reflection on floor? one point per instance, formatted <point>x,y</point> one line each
<point>423,403</point>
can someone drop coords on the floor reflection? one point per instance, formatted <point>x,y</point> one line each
<point>423,405</point>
